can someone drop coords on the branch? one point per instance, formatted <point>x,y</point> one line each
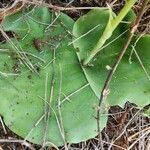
<point>105,89</point>
<point>54,7</point>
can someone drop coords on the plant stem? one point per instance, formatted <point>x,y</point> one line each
<point>122,14</point>
<point>109,30</point>
<point>105,89</point>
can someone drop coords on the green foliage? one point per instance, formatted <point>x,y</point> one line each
<point>112,24</point>
<point>131,81</point>
<point>46,95</point>
<point>29,102</point>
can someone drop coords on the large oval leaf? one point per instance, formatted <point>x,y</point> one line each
<point>44,94</point>
<point>130,82</point>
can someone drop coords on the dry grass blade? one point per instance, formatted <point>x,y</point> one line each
<point>23,57</point>
<point>4,129</point>
<point>16,6</point>
<point>58,8</point>
<point>18,141</point>
<point>136,134</point>
<point>145,134</point>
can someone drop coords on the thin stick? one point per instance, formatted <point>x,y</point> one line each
<point>62,132</point>
<point>22,142</point>
<point>58,8</point>
<point>105,89</point>
<point>130,138</point>
<point>142,136</point>
<point>15,7</point>
<point>1,121</point>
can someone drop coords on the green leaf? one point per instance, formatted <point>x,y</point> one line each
<point>128,19</point>
<point>39,72</point>
<point>130,83</point>
<point>88,28</point>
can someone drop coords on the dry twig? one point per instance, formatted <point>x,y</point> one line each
<point>16,6</point>
<point>120,56</point>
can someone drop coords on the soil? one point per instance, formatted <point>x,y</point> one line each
<point>122,124</point>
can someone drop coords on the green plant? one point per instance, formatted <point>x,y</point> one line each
<point>126,85</point>
<point>45,73</point>
<point>46,95</point>
<point>112,24</point>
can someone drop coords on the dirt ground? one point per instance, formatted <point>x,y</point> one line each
<point>126,127</point>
